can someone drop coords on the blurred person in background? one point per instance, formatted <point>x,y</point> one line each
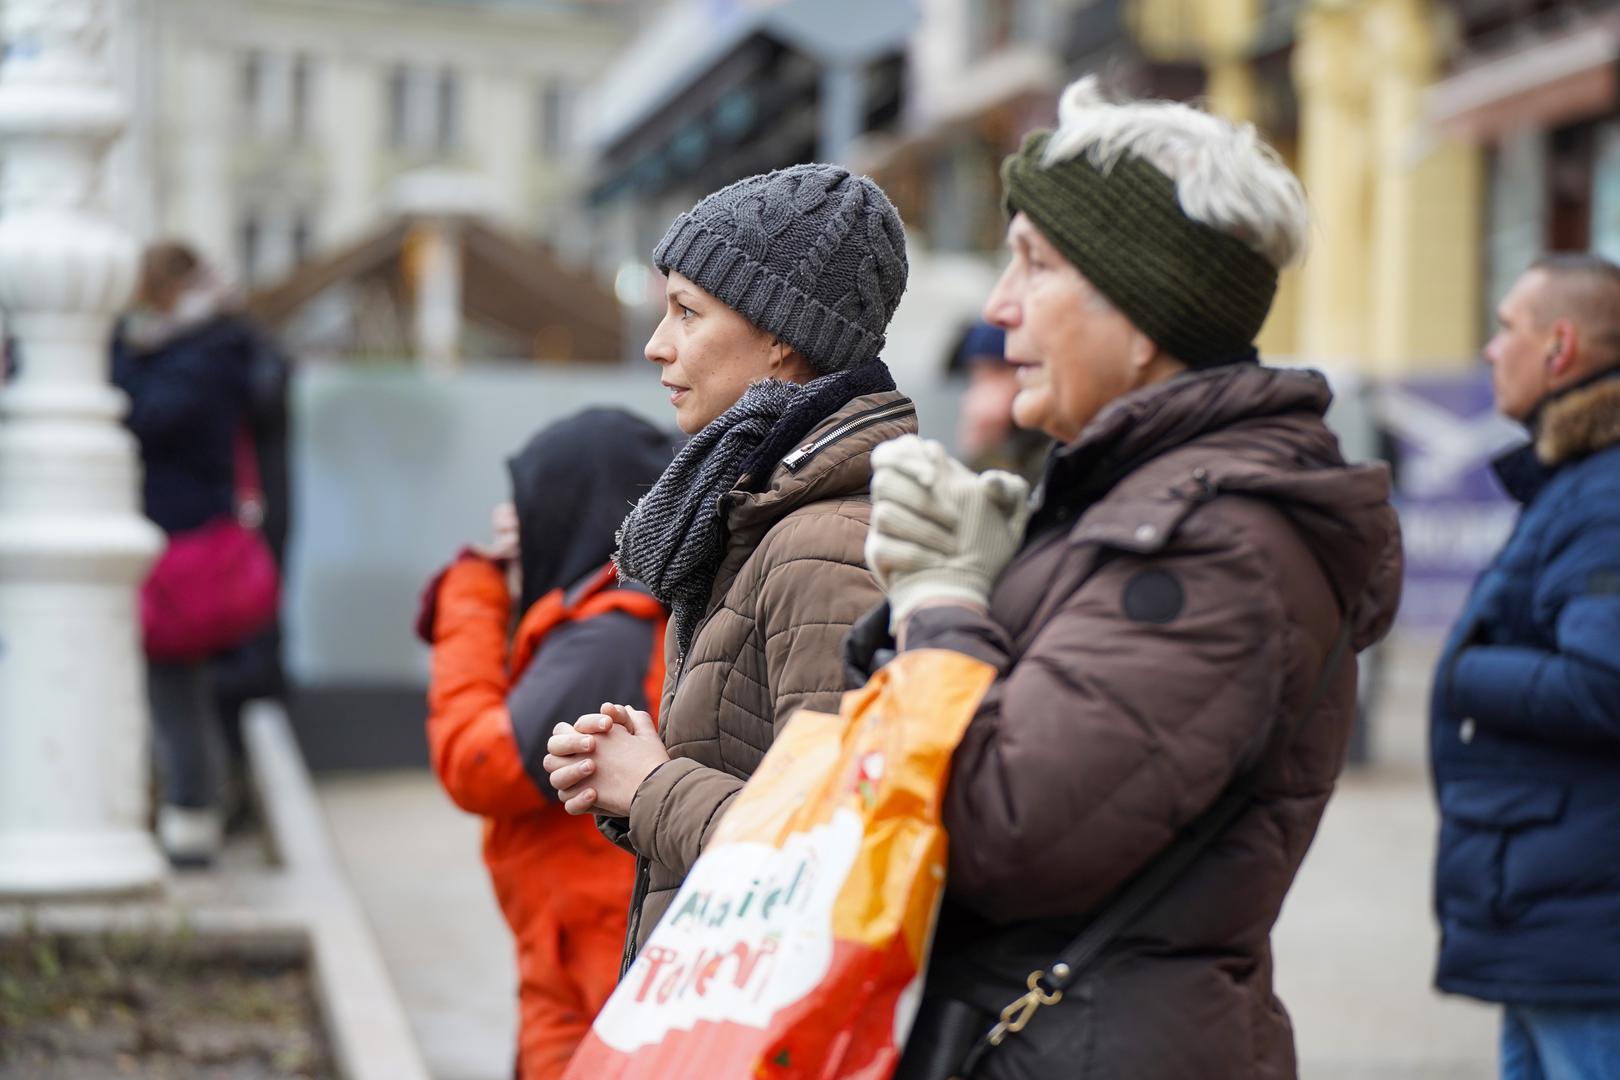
<point>253,670</point>
<point>582,639</point>
<point>189,362</point>
<point>1525,714</point>
<point>780,290</point>
<point>1170,624</point>
<point>985,433</point>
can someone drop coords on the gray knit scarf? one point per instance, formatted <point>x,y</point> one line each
<point>675,537</point>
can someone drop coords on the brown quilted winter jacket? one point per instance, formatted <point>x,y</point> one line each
<point>1183,580</point>
<point>793,580</point>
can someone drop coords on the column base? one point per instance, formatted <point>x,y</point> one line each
<point>79,864</point>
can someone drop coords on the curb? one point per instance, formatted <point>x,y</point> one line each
<point>371,1038</point>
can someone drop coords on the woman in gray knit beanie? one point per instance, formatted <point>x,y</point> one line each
<point>780,289</point>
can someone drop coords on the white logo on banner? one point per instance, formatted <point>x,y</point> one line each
<point>1445,446</point>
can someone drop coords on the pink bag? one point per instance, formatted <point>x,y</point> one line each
<point>214,586</point>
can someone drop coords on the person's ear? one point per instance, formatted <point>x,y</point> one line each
<point>788,363</point>
<point>1143,352</point>
<point>1561,351</point>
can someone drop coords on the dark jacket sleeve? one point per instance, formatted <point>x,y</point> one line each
<point>270,384</point>
<point>192,381</point>
<point>1108,734</point>
<point>579,666</point>
<point>1569,693</point>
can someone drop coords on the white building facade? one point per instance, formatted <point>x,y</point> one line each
<point>266,132</point>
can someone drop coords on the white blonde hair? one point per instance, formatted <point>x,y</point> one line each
<point>1225,176</point>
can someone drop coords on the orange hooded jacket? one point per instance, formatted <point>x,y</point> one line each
<point>564,890</point>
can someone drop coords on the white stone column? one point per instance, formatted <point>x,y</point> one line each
<point>73,545</point>
<point>436,277</point>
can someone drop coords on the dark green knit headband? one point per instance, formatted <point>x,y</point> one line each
<point>1199,293</point>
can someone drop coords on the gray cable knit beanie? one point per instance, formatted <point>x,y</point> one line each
<point>810,254</point>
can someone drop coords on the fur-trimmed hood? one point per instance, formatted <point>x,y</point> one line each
<point>1580,421</point>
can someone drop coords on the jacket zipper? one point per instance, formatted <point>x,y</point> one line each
<point>638,896</point>
<point>796,460</point>
<point>680,661</point>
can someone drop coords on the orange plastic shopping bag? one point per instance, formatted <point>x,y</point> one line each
<point>795,947</point>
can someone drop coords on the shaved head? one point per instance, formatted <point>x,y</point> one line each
<point>1585,289</point>
<point>1557,327</point>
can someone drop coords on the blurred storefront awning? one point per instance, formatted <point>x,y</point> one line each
<point>1541,83</point>
<point>710,75</point>
<point>996,101</point>
<point>516,299</point>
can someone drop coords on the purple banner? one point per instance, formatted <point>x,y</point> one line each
<point>1454,515</point>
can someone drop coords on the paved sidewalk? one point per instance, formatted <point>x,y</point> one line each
<point>1354,948</point>
<point>414,861</point>
<point>1356,943</point>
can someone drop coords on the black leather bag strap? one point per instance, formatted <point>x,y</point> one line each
<point>1046,986</point>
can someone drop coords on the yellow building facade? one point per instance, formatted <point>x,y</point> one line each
<point>1391,282</point>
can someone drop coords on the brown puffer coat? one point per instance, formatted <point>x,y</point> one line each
<point>793,580</point>
<point>1178,591</point>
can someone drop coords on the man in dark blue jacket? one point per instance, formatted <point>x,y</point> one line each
<point>1525,715</point>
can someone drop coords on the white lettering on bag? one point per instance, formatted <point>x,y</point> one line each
<point>749,932</point>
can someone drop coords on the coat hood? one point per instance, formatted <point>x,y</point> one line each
<point>1571,424</point>
<point>207,298</point>
<point>572,484</point>
<point>1250,430</point>
<point>1580,421</point>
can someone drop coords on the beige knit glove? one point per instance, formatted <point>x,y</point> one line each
<point>940,531</point>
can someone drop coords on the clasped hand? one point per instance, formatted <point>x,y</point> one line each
<point>597,762</point>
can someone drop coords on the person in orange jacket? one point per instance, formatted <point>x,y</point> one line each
<point>583,639</point>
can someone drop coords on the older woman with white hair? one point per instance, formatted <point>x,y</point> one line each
<point>1171,621</point>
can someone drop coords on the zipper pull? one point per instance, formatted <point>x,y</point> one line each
<point>793,460</point>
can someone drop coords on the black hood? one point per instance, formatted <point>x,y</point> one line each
<point>572,484</point>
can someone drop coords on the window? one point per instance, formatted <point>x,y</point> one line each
<point>274,94</point>
<point>1570,158</point>
<point>300,98</point>
<point>1606,192</point>
<point>301,238</point>
<point>248,245</point>
<point>448,126</point>
<point>398,106</point>
<point>424,110</point>
<point>556,118</point>
<point>995,24</point>
<point>1517,215</point>
<point>250,87</point>
<point>1279,16</point>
